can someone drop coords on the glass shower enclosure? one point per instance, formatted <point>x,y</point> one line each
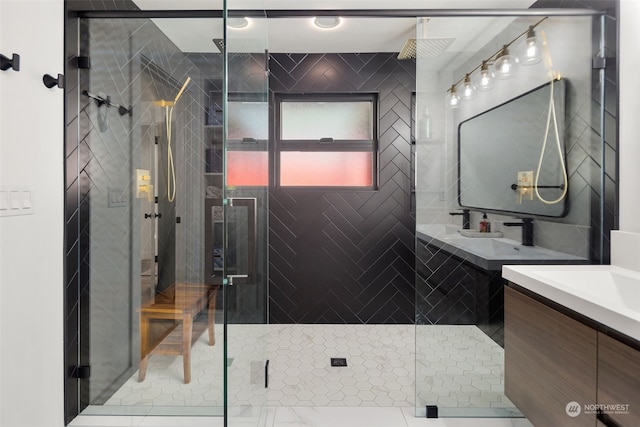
<point>175,183</point>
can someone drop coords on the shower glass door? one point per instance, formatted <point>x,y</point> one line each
<point>175,184</point>
<point>243,261</point>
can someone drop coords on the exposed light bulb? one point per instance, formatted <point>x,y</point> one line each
<point>505,64</point>
<point>530,52</point>
<point>486,78</point>
<point>468,89</point>
<point>453,100</point>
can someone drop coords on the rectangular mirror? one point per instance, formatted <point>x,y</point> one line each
<point>501,152</point>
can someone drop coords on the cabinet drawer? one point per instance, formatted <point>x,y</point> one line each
<point>619,379</point>
<point>550,361</point>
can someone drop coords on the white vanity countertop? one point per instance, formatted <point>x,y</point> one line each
<point>607,294</point>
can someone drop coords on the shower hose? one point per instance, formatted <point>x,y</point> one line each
<point>171,171</point>
<point>551,114</point>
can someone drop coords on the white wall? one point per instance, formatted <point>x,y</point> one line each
<point>31,246</point>
<point>629,150</point>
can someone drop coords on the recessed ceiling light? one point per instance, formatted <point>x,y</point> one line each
<point>327,21</point>
<point>237,22</point>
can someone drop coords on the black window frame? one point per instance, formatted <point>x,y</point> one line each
<point>367,146</point>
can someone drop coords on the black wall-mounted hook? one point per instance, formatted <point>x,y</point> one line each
<point>50,81</point>
<point>6,63</point>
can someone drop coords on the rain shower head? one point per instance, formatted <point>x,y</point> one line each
<point>238,46</point>
<point>219,43</point>
<point>424,48</point>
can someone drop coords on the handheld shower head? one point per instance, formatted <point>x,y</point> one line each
<point>171,179</point>
<point>165,103</point>
<point>184,86</point>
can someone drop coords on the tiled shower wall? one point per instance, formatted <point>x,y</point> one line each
<point>604,93</point>
<point>571,57</point>
<point>347,256</point>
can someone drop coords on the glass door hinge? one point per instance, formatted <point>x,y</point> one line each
<point>81,371</point>
<point>599,63</point>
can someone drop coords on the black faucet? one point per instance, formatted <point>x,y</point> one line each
<point>466,218</point>
<point>527,230</point>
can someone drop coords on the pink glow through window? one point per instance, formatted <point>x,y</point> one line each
<point>326,169</point>
<point>247,168</point>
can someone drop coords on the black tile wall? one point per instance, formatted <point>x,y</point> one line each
<point>347,256</point>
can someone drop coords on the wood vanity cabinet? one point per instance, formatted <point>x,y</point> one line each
<point>552,359</point>
<point>619,380</point>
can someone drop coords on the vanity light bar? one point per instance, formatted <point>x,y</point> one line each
<point>499,57</point>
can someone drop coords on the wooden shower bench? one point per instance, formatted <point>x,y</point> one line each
<point>181,303</point>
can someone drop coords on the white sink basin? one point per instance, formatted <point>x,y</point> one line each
<point>619,288</point>
<point>607,294</point>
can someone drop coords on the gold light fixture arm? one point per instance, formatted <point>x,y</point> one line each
<point>495,55</point>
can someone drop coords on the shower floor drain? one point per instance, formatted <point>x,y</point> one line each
<point>338,361</point>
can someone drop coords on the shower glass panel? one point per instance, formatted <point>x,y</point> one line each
<point>459,287</point>
<point>154,317</point>
<point>176,224</point>
<point>245,221</point>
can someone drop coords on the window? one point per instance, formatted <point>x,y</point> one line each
<point>248,133</point>
<point>326,140</point>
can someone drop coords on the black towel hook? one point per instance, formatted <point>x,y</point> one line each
<point>6,63</point>
<point>50,81</point>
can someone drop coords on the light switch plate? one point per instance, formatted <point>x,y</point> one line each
<point>16,201</point>
<point>4,200</point>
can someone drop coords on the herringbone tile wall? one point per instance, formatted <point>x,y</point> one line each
<point>605,127</point>
<point>347,256</point>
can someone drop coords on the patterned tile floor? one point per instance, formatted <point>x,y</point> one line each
<point>458,367</point>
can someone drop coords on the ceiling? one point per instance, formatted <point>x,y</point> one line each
<point>353,35</point>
